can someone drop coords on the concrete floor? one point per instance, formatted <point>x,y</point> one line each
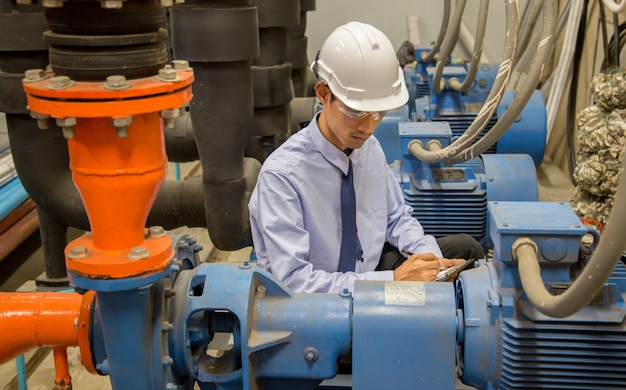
<point>26,263</point>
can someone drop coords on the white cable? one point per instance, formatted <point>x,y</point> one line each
<point>614,7</point>
<point>564,66</point>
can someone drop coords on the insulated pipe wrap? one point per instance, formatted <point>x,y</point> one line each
<point>272,85</point>
<point>221,114</point>
<point>273,46</point>
<point>221,110</point>
<point>223,34</point>
<point>274,13</point>
<point>39,174</point>
<point>180,144</point>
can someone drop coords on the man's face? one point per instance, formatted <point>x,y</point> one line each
<point>342,126</point>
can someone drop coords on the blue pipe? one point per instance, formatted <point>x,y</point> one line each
<point>21,372</point>
<point>12,195</point>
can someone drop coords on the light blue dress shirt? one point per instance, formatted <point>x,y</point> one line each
<point>295,213</point>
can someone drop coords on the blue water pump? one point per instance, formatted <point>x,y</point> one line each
<point>234,326</point>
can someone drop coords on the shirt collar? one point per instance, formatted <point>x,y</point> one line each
<point>329,151</point>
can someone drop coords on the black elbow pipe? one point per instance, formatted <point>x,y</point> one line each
<point>221,109</point>
<point>180,144</point>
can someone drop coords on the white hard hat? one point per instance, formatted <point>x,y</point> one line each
<point>360,66</point>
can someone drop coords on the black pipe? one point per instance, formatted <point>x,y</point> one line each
<point>42,163</point>
<point>221,133</point>
<point>53,235</point>
<point>180,143</point>
<point>178,203</point>
<point>221,109</point>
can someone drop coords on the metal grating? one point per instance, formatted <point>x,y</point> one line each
<point>421,90</point>
<point>561,356</point>
<point>449,212</point>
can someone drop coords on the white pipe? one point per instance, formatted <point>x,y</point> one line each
<point>413,26</point>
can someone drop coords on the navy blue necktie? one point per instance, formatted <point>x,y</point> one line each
<point>350,245</point>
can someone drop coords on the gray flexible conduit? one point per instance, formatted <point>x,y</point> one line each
<point>545,47</point>
<point>428,57</point>
<point>478,50</point>
<point>592,278</point>
<point>493,99</point>
<point>449,42</point>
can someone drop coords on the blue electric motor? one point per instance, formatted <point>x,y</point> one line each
<point>506,343</point>
<point>453,199</point>
<point>527,135</point>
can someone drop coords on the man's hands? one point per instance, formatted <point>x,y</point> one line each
<point>423,267</point>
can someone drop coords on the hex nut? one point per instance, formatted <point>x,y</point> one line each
<point>116,82</point>
<point>60,82</point>
<point>168,75</point>
<point>122,122</point>
<point>33,75</point>
<point>66,122</point>
<point>52,3</point>
<point>170,114</point>
<point>138,253</point>
<point>111,4</point>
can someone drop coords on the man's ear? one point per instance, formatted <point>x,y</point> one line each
<point>322,92</point>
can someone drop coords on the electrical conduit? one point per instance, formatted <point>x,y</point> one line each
<point>522,96</point>
<point>492,101</point>
<point>476,54</point>
<point>448,45</point>
<point>428,57</point>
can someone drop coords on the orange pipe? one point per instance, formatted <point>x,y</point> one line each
<point>63,380</point>
<point>118,178</point>
<point>31,320</point>
<point>117,174</point>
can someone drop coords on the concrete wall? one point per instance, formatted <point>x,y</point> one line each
<point>391,17</point>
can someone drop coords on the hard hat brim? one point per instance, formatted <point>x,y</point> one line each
<point>387,103</point>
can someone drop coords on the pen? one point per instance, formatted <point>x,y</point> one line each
<point>407,252</point>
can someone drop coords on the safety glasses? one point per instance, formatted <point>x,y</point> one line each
<point>357,115</point>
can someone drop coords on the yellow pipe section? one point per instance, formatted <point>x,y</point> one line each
<point>31,320</point>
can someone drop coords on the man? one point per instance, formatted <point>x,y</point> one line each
<point>298,229</point>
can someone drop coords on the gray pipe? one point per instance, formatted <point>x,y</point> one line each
<point>478,50</point>
<point>530,16</point>
<point>493,99</point>
<point>546,45</point>
<point>448,44</point>
<point>428,57</point>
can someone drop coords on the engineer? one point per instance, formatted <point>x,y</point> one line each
<point>296,207</point>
